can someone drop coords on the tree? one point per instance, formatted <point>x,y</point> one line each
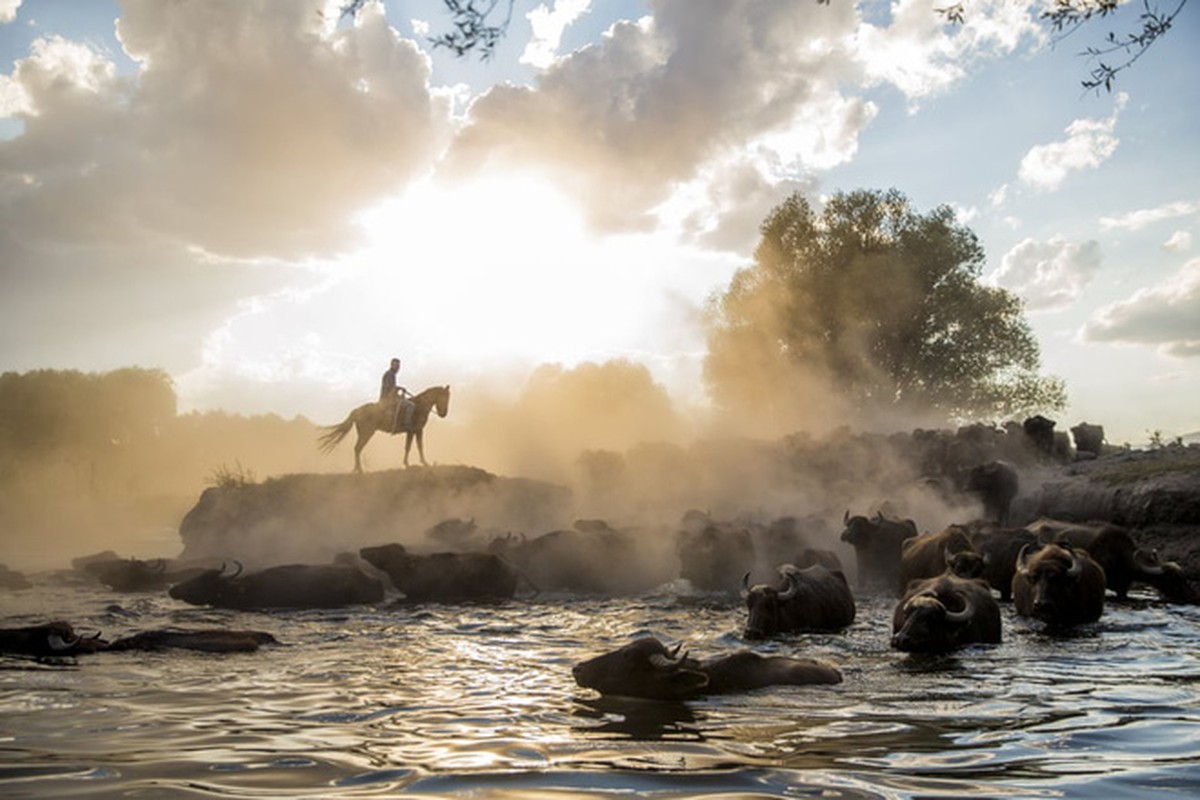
<point>1065,17</point>
<point>474,28</point>
<point>880,306</point>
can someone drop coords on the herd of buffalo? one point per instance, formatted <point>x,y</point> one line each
<point>949,585</point>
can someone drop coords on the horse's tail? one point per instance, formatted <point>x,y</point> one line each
<point>335,433</point>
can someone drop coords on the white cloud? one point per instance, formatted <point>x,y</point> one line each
<point>8,10</point>
<point>548,26</point>
<point>1089,143</point>
<point>249,129</point>
<point>1137,220</point>
<point>921,55</point>
<point>1049,275</point>
<point>1180,242</point>
<point>626,121</point>
<point>1167,315</point>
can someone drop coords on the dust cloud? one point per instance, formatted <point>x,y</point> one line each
<point>592,442</point>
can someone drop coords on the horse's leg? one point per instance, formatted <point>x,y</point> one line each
<point>421,447</point>
<point>363,438</point>
<point>408,437</point>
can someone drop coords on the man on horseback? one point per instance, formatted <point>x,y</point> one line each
<point>397,396</point>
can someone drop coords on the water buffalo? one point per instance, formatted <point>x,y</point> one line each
<point>646,668</point>
<point>1124,562</point>
<point>812,599</point>
<point>1039,431</point>
<point>11,579</point>
<point>995,484</point>
<point>929,554</point>
<point>49,639</point>
<point>136,575</point>
<point>999,548</point>
<point>444,577</point>
<point>944,613</point>
<point>1088,438</point>
<point>1058,584</point>
<point>209,640</point>
<point>285,586</point>
<point>815,555</point>
<point>877,543</point>
<point>593,558</point>
<point>715,556</point>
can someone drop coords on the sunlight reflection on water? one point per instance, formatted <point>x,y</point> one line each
<point>438,700</point>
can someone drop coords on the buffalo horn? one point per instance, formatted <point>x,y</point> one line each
<point>846,517</point>
<point>1150,564</point>
<point>746,585</point>
<point>790,591</point>
<point>959,617</point>
<point>1022,558</point>
<point>239,568</point>
<point>159,565</point>
<point>59,644</point>
<point>1076,568</point>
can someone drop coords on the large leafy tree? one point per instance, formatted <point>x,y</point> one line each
<point>881,306</point>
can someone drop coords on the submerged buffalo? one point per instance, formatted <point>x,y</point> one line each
<point>930,554</point>
<point>945,613</point>
<point>999,548</point>
<point>55,638</point>
<point>60,639</point>
<point>286,586</point>
<point>812,599</point>
<point>137,575</point>
<point>646,668</point>
<point>1058,585</point>
<point>444,577</point>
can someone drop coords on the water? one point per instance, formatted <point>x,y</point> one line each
<point>478,701</point>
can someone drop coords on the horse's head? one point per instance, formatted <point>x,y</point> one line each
<point>441,400</point>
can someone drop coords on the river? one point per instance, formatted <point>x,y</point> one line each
<point>476,700</point>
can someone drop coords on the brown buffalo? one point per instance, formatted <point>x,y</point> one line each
<point>1123,561</point>
<point>996,485</point>
<point>999,548</point>
<point>714,556</point>
<point>929,554</point>
<point>877,543</point>
<point>1058,585</point>
<point>646,668</point>
<point>944,613</point>
<point>208,640</point>
<point>812,599</point>
<point>444,577</point>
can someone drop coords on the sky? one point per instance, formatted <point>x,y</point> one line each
<point>269,202</point>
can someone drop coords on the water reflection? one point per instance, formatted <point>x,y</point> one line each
<point>437,700</point>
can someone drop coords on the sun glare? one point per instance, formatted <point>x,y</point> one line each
<point>505,272</point>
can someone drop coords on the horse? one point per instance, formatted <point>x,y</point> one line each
<point>371,417</point>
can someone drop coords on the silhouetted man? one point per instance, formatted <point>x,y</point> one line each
<point>390,392</point>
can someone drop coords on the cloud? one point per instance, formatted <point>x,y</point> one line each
<point>8,10</point>
<point>248,129</point>
<point>1089,143</point>
<point>1167,315</point>
<point>1180,241</point>
<point>1049,275</point>
<point>1142,218</point>
<point>548,26</point>
<point>919,54</point>
<point>624,122</point>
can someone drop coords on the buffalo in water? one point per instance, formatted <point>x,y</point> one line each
<point>931,554</point>
<point>945,613</point>
<point>646,668</point>
<point>48,640</point>
<point>285,586</point>
<point>999,548</point>
<point>713,556</point>
<point>136,575</point>
<point>444,577</point>
<point>812,599</point>
<point>1123,561</point>
<point>877,543</point>
<point>1059,585</point>
<point>59,639</point>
